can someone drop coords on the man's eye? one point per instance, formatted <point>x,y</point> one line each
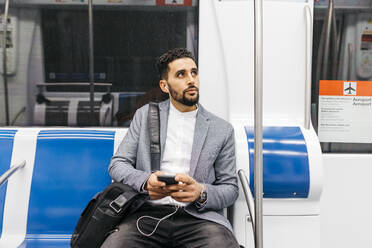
<point>194,73</point>
<point>180,74</point>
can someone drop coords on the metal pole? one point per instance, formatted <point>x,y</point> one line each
<point>336,46</point>
<point>91,62</point>
<point>309,38</point>
<point>318,72</point>
<point>248,195</point>
<point>327,40</point>
<point>258,95</point>
<point>327,146</point>
<point>5,69</point>
<point>4,177</point>
<point>350,61</point>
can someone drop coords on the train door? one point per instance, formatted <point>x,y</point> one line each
<point>342,117</point>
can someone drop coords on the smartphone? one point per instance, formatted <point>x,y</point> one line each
<point>168,179</point>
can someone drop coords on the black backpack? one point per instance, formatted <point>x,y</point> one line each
<point>103,213</point>
<point>108,208</point>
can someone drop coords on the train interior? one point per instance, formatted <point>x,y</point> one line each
<point>73,73</point>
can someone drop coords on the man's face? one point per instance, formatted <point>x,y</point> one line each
<point>183,81</point>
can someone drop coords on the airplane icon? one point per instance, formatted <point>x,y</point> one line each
<point>349,89</point>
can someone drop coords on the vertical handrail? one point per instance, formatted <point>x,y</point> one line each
<point>326,146</point>
<point>5,69</point>
<point>336,46</point>
<point>91,61</point>
<point>258,95</point>
<point>248,196</point>
<point>308,58</point>
<point>349,62</point>
<point>327,39</point>
<point>4,177</point>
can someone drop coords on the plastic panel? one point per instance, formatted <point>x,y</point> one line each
<point>285,162</point>
<point>45,242</point>
<point>6,149</point>
<point>70,168</point>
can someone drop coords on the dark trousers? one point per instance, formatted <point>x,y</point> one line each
<point>180,230</point>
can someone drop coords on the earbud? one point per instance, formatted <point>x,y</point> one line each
<point>167,88</point>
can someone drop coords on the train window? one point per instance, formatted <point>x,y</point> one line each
<point>342,76</point>
<point>47,81</point>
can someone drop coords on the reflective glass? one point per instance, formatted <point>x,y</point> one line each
<point>48,75</point>
<point>342,75</point>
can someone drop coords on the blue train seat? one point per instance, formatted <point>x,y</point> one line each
<point>285,162</point>
<point>6,149</point>
<point>70,168</point>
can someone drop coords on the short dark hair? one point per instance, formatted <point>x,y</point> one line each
<point>173,54</point>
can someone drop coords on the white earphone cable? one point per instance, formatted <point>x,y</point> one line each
<point>157,224</point>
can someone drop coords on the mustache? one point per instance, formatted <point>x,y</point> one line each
<point>191,88</point>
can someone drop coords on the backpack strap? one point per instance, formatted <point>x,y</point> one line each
<point>153,121</point>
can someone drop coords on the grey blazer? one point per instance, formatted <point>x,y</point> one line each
<point>212,159</point>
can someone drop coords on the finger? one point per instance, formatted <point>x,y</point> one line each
<point>155,196</point>
<point>159,190</point>
<point>158,173</point>
<point>154,193</point>
<point>175,187</point>
<point>182,194</point>
<point>188,199</point>
<point>184,178</point>
<point>153,181</point>
<point>183,187</point>
<point>157,184</point>
<point>165,189</point>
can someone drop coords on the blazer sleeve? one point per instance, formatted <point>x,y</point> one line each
<point>123,163</point>
<point>224,191</point>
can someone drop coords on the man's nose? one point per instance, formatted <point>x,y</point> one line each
<point>190,79</point>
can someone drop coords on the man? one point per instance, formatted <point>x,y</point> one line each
<point>198,147</point>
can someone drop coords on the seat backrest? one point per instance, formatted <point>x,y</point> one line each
<point>70,168</point>
<point>6,149</point>
<point>285,162</point>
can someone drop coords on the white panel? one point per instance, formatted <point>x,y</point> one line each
<point>242,162</point>
<point>315,165</point>
<point>346,201</point>
<point>236,31</point>
<point>288,232</point>
<point>284,58</point>
<point>213,81</point>
<point>18,189</point>
<point>119,135</point>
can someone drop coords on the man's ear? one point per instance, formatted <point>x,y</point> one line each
<point>163,86</point>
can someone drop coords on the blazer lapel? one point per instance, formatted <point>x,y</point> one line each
<point>200,133</point>
<point>163,112</point>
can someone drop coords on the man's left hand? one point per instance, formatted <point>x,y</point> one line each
<point>188,191</point>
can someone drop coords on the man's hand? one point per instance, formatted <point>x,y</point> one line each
<point>188,191</point>
<point>156,189</point>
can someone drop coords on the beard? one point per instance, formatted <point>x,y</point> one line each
<point>185,100</point>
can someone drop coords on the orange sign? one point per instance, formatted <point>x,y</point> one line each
<point>345,111</point>
<point>345,88</point>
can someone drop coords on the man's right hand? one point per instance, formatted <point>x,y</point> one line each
<point>156,188</point>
